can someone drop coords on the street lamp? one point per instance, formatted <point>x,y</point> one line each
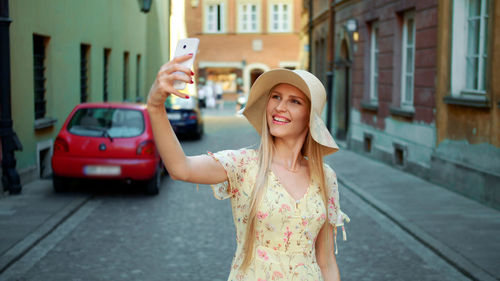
<point>145,5</point>
<point>351,25</point>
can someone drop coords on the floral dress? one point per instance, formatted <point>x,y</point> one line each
<point>286,229</point>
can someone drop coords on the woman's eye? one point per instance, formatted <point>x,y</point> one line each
<point>275,97</point>
<point>296,101</point>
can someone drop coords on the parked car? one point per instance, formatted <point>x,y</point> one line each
<point>112,141</point>
<point>185,116</point>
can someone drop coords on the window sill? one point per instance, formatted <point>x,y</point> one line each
<point>402,111</point>
<point>44,123</point>
<point>369,106</point>
<point>479,102</point>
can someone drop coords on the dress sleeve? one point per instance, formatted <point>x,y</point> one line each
<point>234,162</point>
<point>335,216</point>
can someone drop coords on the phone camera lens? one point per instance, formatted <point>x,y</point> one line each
<point>184,47</point>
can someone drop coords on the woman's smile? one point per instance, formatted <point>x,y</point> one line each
<point>280,120</point>
<point>287,111</point>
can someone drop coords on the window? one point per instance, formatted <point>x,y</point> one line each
<point>374,63</point>
<point>248,18</point>
<point>469,64</point>
<point>138,78</point>
<point>214,18</point>
<point>280,20</point>
<point>125,76</point>
<point>84,72</point>
<point>408,59</point>
<point>39,44</point>
<point>105,92</point>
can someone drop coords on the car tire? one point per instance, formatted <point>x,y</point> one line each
<point>199,133</point>
<point>153,184</point>
<point>60,184</point>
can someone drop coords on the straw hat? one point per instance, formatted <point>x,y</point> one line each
<point>309,85</point>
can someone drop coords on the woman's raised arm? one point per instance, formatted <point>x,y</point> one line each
<point>197,169</point>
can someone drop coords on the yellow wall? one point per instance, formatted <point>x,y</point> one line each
<point>474,125</point>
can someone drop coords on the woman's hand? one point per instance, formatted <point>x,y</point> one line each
<point>163,86</point>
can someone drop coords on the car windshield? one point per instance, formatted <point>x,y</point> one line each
<point>174,102</point>
<point>107,122</point>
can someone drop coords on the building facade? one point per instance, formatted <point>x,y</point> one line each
<point>67,52</point>
<point>466,158</point>
<point>240,39</point>
<point>385,70</point>
<point>413,86</point>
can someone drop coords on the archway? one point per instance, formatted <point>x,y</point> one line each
<point>342,90</point>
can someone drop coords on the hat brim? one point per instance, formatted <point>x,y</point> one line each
<point>302,80</point>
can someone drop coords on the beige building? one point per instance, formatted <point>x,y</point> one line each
<point>240,39</point>
<point>66,52</point>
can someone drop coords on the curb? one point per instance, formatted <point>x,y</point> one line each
<point>452,257</point>
<point>17,251</point>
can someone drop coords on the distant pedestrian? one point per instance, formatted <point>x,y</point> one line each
<point>285,200</point>
<point>218,95</point>
<point>201,95</point>
<point>210,95</point>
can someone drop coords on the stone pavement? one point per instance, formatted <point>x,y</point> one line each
<point>27,218</point>
<point>462,231</point>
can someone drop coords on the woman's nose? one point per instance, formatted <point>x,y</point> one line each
<point>281,106</point>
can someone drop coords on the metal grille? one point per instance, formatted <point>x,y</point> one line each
<point>84,77</point>
<point>105,74</point>
<point>39,75</point>
<point>125,76</point>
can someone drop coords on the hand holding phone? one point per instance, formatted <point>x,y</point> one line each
<point>184,47</point>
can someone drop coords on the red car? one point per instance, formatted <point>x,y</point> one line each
<point>107,141</point>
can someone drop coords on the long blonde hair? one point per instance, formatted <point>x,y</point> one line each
<point>311,149</point>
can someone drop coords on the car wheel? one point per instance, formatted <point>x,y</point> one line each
<point>153,185</point>
<point>60,184</point>
<point>199,133</point>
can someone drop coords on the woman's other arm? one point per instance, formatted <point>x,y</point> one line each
<point>325,254</point>
<point>197,169</point>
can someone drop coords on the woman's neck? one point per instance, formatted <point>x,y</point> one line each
<point>288,153</point>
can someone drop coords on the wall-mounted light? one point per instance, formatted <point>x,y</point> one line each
<point>355,36</point>
<point>145,5</point>
<point>351,25</point>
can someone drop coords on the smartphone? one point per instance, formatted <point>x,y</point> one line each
<point>184,47</point>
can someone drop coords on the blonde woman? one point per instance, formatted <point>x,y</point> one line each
<point>284,199</point>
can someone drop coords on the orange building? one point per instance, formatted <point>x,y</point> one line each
<point>240,39</point>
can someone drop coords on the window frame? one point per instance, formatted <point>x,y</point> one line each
<point>126,70</point>
<point>249,15</point>
<point>221,15</point>
<point>84,72</point>
<point>271,20</point>
<point>407,102</point>
<point>40,43</point>
<point>459,55</point>
<point>374,56</point>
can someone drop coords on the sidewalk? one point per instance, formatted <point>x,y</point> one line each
<point>463,232</point>
<point>27,218</point>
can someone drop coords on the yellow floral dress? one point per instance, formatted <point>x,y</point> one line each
<point>286,229</point>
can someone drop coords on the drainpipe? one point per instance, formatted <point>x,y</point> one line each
<point>10,141</point>
<point>310,34</point>
<point>330,74</point>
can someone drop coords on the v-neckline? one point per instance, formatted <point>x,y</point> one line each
<point>286,190</point>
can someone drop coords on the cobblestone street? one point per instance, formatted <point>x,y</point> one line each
<point>186,234</point>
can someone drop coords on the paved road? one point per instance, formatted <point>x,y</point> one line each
<point>185,234</point>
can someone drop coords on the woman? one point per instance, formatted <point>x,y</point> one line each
<point>284,199</point>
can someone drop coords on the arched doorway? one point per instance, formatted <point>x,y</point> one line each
<point>251,72</point>
<point>254,74</point>
<point>342,90</point>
